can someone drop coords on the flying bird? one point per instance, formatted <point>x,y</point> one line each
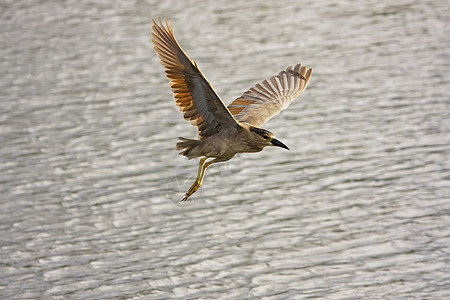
<point>223,131</point>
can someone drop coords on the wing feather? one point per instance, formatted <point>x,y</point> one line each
<point>193,94</point>
<point>267,98</point>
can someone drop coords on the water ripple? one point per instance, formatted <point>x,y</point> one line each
<point>91,182</point>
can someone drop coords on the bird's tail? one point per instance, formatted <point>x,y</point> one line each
<point>188,145</point>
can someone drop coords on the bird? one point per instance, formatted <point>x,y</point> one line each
<point>223,131</point>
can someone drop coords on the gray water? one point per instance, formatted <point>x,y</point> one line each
<point>90,181</point>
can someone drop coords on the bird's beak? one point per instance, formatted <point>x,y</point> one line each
<point>277,143</point>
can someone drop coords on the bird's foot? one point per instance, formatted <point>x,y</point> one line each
<point>194,187</point>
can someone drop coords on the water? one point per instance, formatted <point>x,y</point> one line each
<point>91,182</point>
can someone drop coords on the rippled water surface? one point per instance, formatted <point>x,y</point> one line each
<point>90,181</point>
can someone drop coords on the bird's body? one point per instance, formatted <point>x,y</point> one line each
<point>223,145</point>
<point>223,131</point>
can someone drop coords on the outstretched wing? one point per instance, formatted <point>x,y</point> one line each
<point>193,94</point>
<point>267,98</point>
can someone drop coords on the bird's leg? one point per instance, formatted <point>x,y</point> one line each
<point>194,187</point>
<point>200,165</point>
<point>200,175</point>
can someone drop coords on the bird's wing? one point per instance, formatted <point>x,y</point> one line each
<point>193,94</point>
<point>267,98</point>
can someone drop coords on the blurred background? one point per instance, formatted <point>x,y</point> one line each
<point>90,180</point>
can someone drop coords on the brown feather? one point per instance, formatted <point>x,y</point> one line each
<point>267,98</point>
<point>193,94</point>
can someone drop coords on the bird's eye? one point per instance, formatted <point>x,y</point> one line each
<point>265,136</point>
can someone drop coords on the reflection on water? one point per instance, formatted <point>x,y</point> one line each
<point>90,179</point>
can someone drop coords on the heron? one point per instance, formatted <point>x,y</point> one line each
<point>223,131</point>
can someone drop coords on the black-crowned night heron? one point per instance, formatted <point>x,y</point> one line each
<point>223,131</point>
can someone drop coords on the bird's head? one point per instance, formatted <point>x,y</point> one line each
<point>266,138</point>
